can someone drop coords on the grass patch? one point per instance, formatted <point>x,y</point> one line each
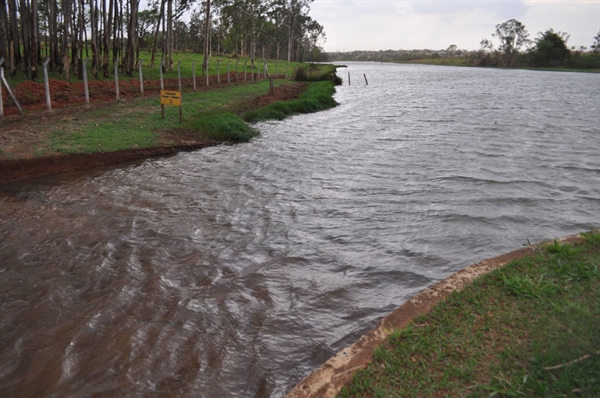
<point>318,97</point>
<point>222,126</point>
<point>530,328</point>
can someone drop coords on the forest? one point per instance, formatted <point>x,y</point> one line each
<point>108,31</point>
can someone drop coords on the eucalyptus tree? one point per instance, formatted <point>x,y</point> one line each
<point>513,36</point>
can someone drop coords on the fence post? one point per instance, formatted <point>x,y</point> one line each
<point>228,79</point>
<point>264,69</point>
<point>162,80</point>
<point>3,80</point>
<point>179,74</point>
<point>237,75</point>
<point>245,76</point>
<point>194,73</point>
<point>117,77</point>
<point>86,89</point>
<point>47,84</point>
<point>141,76</point>
<point>219,72</point>
<point>207,80</point>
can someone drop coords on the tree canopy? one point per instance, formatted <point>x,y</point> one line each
<point>550,49</point>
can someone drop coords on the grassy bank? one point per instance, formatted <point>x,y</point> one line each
<point>208,116</point>
<point>530,328</point>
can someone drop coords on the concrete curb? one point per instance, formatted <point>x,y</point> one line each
<point>327,380</point>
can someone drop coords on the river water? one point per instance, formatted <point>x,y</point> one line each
<point>235,271</point>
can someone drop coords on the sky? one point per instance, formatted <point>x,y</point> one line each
<point>436,24</point>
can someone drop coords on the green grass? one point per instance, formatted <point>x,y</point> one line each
<point>207,114</point>
<point>502,334</point>
<point>222,126</point>
<point>317,97</point>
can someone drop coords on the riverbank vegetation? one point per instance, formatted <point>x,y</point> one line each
<point>527,329</point>
<point>208,117</point>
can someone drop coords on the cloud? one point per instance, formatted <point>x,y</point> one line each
<point>506,9</point>
<point>418,24</point>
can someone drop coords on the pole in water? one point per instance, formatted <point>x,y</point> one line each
<point>366,79</point>
<point>349,78</point>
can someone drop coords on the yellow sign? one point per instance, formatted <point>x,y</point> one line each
<point>170,97</point>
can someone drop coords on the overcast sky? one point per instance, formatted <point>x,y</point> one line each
<point>436,24</point>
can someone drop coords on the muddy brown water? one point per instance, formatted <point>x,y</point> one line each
<point>235,271</point>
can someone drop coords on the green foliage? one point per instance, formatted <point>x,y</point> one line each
<point>318,96</point>
<point>550,49</point>
<point>222,126</point>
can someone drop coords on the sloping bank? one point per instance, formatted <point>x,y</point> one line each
<point>119,133</point>
<point>522,324</point>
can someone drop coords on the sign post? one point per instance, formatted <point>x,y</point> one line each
<point>171,98</point>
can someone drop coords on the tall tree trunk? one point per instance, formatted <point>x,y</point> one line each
<point>79,44</point>
<point>34,40</point>
<point>25,12</point>
<point>107,33</point>
<point>14,43</point>
<point>206,37</point>
<point>170,34</point>
<point>65,45</point>
<point>3,30</point>
<point>94,34</point>
<point>131,38</point>
<point>161,15</point>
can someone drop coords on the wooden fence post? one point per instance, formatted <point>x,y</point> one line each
<point>194,74</point>
<point>141,76</point>
<point>117,77</point>
<point>179,74</point>
<point>47,84</point>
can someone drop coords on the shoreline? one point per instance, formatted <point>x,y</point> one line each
<point>328,379</point>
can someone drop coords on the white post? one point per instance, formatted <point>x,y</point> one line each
<point>207,80</point>
<point>228,73</point>
<point>162,80</point>
<point>219,72</point>
<point>179,74</point>
<point>117,77</point>
<point>3,79</point>
<point>47,85</point>
<point>85,82</point>
<point>194,73</point>
<point>141,76</point>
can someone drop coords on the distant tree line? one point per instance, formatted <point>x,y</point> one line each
<point>548,49</point>
<point>510,45</point>
<point>70,31</point>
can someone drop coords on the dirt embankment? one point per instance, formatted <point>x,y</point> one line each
<point>23,137</point>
